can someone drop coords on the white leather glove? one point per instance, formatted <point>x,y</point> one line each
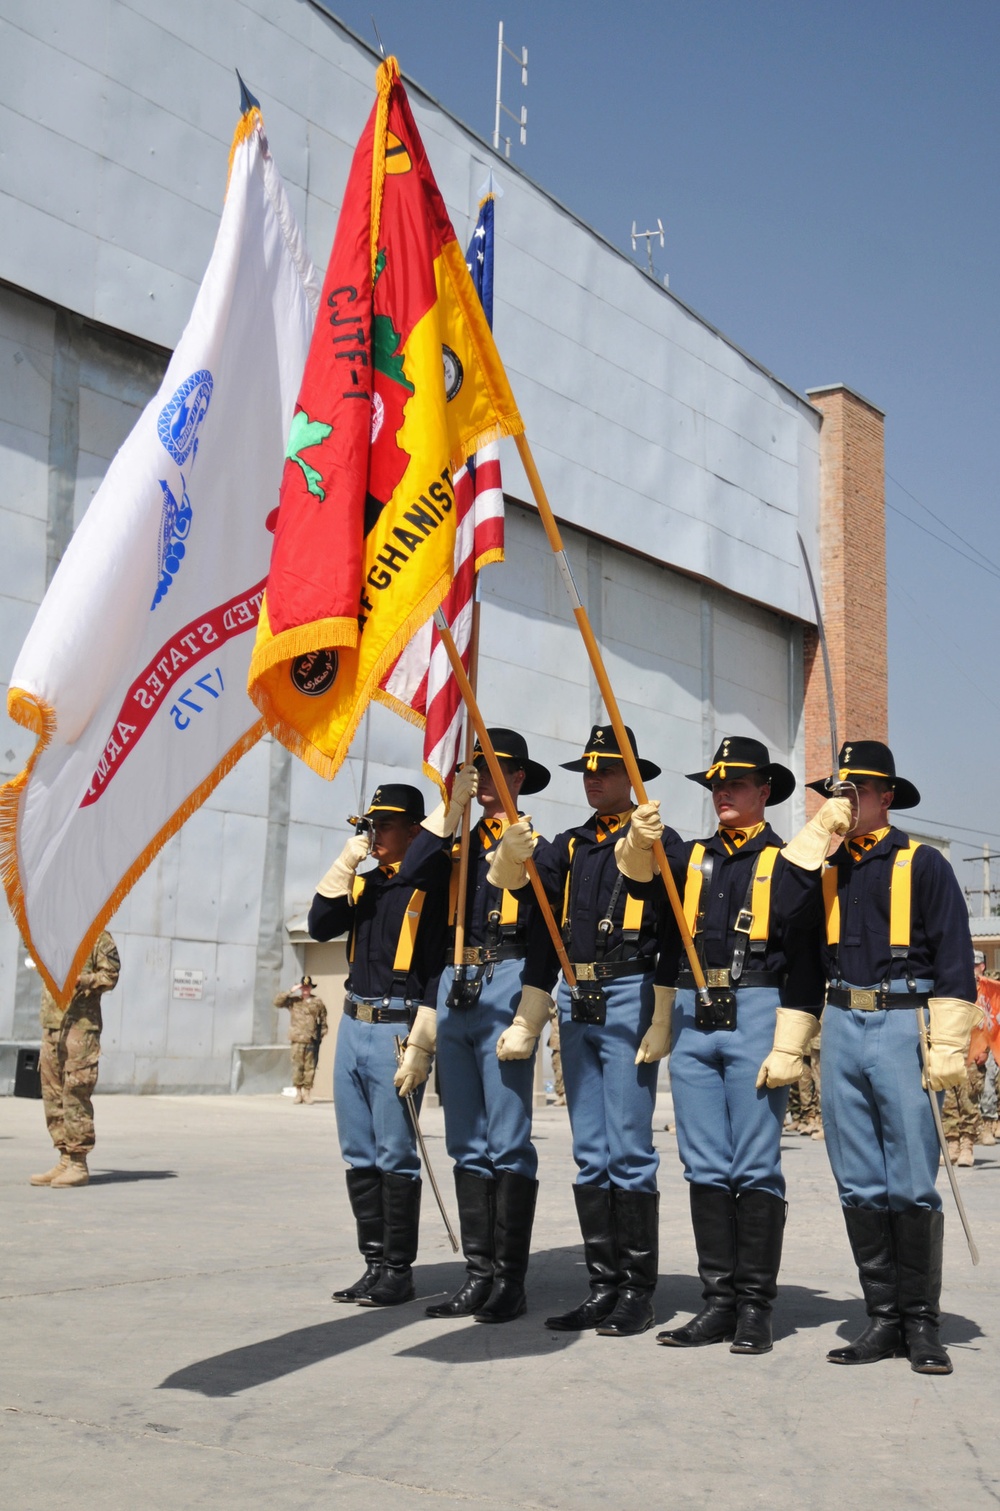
<point>952,1022</point>
<point>446,817</point>
<point>634,851</point>
<point>518,1042</point>
<point>418,1050</point>
<point>337,881</point>
<point>794,1031</point>
<point>507,866</point>
<point>656,1040</point>
<point>810,847</point>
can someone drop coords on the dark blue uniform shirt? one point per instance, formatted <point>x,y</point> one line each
<point>375,922</point>
<point>792,949</point>
<point>940,941</point>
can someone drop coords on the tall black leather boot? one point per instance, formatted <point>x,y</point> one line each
<point>637,1227</point>
<point>870,1233</point>
<point>401,1224</point>
<point>919,1237</point>
<point>364,1190</point>
<point>713,1218</point>
<point>760,1226</point>
<point>600,1251</point>
<point>476,1197</point>
<point>516,1196</point>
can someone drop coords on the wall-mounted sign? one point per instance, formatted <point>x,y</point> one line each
<point>190,984</point>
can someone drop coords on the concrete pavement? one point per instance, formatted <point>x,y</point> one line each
<point>169,1343</point>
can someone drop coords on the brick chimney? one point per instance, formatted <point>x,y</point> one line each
<point>852,566</point>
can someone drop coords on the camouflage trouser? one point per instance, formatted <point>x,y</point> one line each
<point>556,1053</point>
<point>809,1090</point>
<point>960,1109</point>
<point>304,1064</point>
<point>68,1067</point>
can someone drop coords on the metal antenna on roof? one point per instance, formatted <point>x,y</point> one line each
<point>648,237</point>
<point>522,119</point>
<point>378,39</point>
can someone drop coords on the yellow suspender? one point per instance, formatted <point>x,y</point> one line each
<point>407,934</point>
<point>692,886</point>
<point>761,898</point>
<point>900,900</point>
<point>509,905</point>
<point>632,922</point>
<point>569,872</point>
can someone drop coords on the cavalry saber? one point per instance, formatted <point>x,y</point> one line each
<point>921,1026</point>
<point>936,1111</point>
<point>414,1119</point>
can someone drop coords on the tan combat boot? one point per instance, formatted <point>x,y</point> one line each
<point>298,1095</point>
<point>966,1154</point>
<point>48,1176</point>
<point>307,1093</point>
<point>75,1173</point>
<point>953,1150</point>
<point>987,1137</point>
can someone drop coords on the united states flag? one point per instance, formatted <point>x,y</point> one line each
<point>421,686</point>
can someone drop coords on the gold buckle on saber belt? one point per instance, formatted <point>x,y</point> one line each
<point>584,970</point>
<point>717,977</point>
<point>864,999</point>
<point>472,956</point>
<point>364,1012</point>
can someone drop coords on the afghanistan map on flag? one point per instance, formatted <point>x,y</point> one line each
<point>403,382</point>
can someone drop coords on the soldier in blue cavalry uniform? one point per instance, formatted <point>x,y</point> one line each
<point>611,1036</point>
<point>731,1065</point>
<point>896,939</point>
<point>395,916</point>
<point>488,1101</point>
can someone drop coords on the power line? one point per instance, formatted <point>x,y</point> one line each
<point>937,518</point>
<point>977,561</point>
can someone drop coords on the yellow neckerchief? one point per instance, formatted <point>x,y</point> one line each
<point>735,839</point>
<point>862,843</point>
<point>390,870</point>
<point>611,823</point>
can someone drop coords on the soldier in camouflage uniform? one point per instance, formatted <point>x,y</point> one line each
<point>71,1047</point>
<point>961,1118</point>
<point>306,1031</point>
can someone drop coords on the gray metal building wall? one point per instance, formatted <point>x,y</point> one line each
<point>681,468</point>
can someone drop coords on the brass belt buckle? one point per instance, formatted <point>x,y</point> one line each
<point>584,971</point>
<point>365,1012</point>
<point>470,956</point>
<point>744,921</point>
<point>864,999</point>
<point>717,977</point>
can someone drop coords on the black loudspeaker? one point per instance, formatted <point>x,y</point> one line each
<point>27,1077</point>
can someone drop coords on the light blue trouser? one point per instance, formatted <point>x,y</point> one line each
<point>728,1132</point>
<point>487,1102</point>
<point>611,1100</point>
<point>372,1121</point>
<point>879,1126</point>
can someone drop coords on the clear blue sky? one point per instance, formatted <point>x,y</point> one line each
<point>828,179</point>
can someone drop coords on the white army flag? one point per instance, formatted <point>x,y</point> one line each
<point>134,673</point>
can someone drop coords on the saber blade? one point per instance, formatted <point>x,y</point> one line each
<point>945,1158</point>
<point>411,1107</point>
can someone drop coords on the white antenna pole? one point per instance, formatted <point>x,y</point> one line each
<point>522,119</point>
<point>648,237</point>
<point>496,119</point>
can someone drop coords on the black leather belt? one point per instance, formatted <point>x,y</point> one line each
<point>872,999</point>
<point>482,954</point>
<point>720,976</point>
<point>608,970</point>
<point>374,1012</point>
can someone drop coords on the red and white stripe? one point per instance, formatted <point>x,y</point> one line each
<point>421,685</point>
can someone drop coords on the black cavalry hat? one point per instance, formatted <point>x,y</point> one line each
<point>307,981</point>
<point>508,745</point>
<point>602,748</point>
<point>861,758</point>
<point>739,755</point>
<point>397,797</point>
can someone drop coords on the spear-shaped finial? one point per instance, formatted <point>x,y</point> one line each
<point>247,100</point>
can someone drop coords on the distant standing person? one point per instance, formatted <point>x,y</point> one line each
<point>71,1048</point>
<point>306,1032</point>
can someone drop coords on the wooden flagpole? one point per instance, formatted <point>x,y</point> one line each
<point>465,843</point>
<point>499,781</point>
<point>610,703</point>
